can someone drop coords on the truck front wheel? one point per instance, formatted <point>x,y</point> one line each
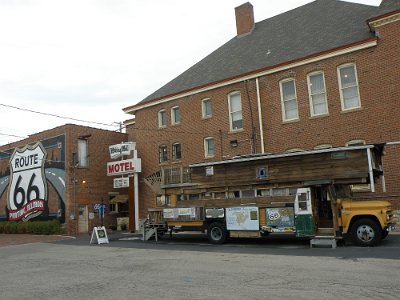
<point>366,232</point>
<point>217,233</point>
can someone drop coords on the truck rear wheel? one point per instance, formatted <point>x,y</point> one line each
<point>217,233</point>
<point>366,232</point>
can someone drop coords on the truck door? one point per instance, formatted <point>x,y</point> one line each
<point>304,219</point>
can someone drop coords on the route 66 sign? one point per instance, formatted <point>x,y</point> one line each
<point>27,194</point>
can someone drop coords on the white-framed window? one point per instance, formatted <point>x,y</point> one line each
<point>235,111</point>
<point>209,147</point>
<point>83,160</point>
<point>323,146</point>
<point>206,108</point>
<point>348,84</point>
<point>290,109</point>
<point>176,151</point>
<point>355,143</point>
<point>163,153</point>
<point>294,150</point>
<point>175,115</point>
<point>317,93</point>
<point>162,118</point>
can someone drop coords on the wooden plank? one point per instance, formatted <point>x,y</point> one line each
<point>321,166</point>
<point>244,234</point>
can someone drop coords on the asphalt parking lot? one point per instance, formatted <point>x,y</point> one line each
<point>188,267</point>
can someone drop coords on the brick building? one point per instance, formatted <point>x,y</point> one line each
<point>325,74</point>
<point>58,174</point>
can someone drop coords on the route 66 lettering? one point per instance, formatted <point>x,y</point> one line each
<point>27,193</point>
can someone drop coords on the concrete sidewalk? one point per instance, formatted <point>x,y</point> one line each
<point>19,239</point>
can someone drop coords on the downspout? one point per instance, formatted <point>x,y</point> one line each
<point>260,116</point>
<point>370,171</point>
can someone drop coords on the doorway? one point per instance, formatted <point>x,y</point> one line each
<point>323,210</point>
<point>83,225</point>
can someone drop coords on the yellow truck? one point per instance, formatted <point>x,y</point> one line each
<point>303,194</point>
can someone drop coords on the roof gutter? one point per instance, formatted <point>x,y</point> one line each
<point>391,17</point>
<point>357,46</point>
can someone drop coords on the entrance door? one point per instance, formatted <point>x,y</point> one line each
<point>83,219</point>
<point>303,213</point>
<point>323,207</point>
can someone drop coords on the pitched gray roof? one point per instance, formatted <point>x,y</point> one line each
<point>313,28</point>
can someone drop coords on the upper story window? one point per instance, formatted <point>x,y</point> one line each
<point>235,111</point>
<point>209,147</point>
<point>289,100</point>
<point>348,83</point>
<point>175,115</point>
<point>163,153</point>
<point>162,118</point>
<point>316,90</point>
<point>323,146</point>
<point>176,151</point>
<point>355,143</point>
<point>83,153</point>
<point>292,150</point>
<point>206,108</point>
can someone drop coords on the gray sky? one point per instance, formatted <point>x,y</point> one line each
<point>88,59</point>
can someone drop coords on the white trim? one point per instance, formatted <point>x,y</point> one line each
<point>370,171</point>
<point>323,146</point>
<point>306,61</point>
<point>160,125</point>
<point>355,142</point>
<point>173,115</point>
<point>174,151</point>
<point>312,112</point>
<point>162,146</point>
<point>206,153</point>
<point>284,117</point>
<point>260,116</point>
<point>341,88</point>
<point>203,113</point>
<point>231,129</point>
<point>385,20</point>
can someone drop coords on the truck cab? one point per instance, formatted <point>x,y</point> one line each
<point>366,222</point>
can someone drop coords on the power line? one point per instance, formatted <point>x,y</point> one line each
<point>56,116</point>
<point>13,135</point>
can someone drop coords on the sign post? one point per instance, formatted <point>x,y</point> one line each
<point>126,167</point>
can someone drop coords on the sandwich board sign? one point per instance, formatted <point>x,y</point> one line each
<point>99,234</point>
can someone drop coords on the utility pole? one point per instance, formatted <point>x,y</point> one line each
<point>73,215</point>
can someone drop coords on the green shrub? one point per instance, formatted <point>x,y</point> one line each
<point>39,227</point>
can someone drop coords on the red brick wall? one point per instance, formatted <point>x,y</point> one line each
<point>98,184</point>
<point>377,121</point>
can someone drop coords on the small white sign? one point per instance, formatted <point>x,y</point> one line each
<point>122,182</point>
<point>210,171</point>
<point>99,234</point>
<point>121,167</point>
<point>120,150</point>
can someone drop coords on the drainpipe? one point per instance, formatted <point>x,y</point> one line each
<point>260,116</point>
<point>370,170</point>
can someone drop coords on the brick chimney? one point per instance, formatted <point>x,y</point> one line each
<point>244,19</point>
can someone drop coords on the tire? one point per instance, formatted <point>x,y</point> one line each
<point>217,233</point>
<point>366,232</point>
